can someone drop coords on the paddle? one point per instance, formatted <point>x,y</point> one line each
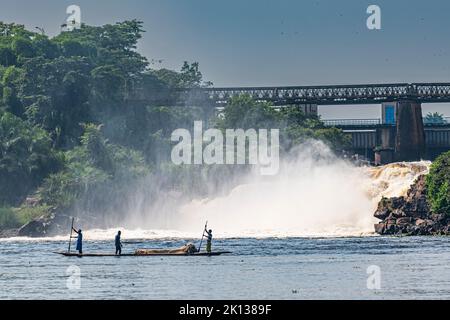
<point>203,234</point>
<point>70,238</point>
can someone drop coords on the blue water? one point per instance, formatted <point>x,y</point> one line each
<point>295,268</point>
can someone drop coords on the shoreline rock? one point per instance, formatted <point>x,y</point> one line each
<point>9,233</point>
<point>44,226</point>
<point>411,214</point>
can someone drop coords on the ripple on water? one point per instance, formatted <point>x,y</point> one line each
<point>317,268</point>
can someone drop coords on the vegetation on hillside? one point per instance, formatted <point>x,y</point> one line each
<point>73,140</point>
<point>438,185</point>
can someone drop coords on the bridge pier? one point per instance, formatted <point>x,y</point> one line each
<point>385,151</point>
<point>410,133</point>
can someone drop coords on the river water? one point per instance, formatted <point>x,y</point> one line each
<point>257,268</point>
<point>304,234</point>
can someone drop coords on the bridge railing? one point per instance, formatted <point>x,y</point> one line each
<point>326,95</point>
<point>436,122</point>
<point>351,122</point>
<point>374,122</point>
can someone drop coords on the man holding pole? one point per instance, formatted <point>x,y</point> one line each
<point>79,240</point>
<point>208,240</point>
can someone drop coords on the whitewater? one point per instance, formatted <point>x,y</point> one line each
<point>316,194</point>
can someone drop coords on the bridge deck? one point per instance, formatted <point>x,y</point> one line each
<point>324,95</point>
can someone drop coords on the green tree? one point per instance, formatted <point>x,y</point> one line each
<point>188,77</point>
<point>57,92</point>
<point>26,158</point>
<point>295,127</point>
<point>72,48</point>
<point>23,47</point>
<point>45,48</point>
<point>96,176</point>
<point>438,181</point>
<point>244,112</point>
<point>7,57</point>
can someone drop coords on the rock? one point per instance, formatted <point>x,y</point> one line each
<point>446,230</point>
<point>380,228</point>
<point>391,221</point>
<point>391,228</point>
<point>420,222</point>
<point>397,213</point>
<point>8,233</point>
<point>404,221</point>
<point>44,226</point>
<point>35,228</point>
<point>382,213</point>
<point>410,214</point>
<point>32,202</point>
<point>438,218</point>
<point>386,207</point>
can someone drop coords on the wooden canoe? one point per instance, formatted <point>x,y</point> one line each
<point>74,254</point>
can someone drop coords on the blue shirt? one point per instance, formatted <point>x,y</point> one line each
<point>79,241</point>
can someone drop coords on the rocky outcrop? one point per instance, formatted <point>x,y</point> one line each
<point>45,226</point>
<point>9,233</point>
<point>411,214</point>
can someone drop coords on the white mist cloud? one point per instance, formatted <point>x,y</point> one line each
<point>315,194</point>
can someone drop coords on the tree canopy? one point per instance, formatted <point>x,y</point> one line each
<point>72,134</point>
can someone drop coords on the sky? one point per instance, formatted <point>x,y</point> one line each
<point>276,43</point>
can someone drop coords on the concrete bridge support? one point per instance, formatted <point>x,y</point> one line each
<point>386,145</point>
<point>410,133</point>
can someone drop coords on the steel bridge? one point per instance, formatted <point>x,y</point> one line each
<point>368,134</point>
<point>406,139</point>
<point>322,95</point>
<point>375,122</point>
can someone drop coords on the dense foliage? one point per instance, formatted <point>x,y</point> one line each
<point>438,184</point>
<point>26,158</point>
<point>72,137</point>
<point>295,126</point>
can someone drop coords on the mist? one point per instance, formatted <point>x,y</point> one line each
<point>315,193</point>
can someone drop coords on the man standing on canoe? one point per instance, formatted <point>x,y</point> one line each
<point>208,240</point>
<point>79,240</point>
<point>118,244</point>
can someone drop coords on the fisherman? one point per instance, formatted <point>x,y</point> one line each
<point>118,244</point>
<point>209,240</point>
<point>79,240</point>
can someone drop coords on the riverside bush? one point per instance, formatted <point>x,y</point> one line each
<point>437,181</point>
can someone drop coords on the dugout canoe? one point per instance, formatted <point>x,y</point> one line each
<point>74,254</point>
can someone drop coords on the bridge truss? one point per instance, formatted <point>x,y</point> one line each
<point>323,95</point>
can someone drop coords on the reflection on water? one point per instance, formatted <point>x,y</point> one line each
<point>289,268</point>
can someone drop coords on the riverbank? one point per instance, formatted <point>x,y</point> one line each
<point>410,214</point>
<point>42,226</point>
<point>424,210</point>
<point>9,233</point>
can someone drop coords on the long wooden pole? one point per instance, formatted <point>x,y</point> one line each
<point>70,238</point>
<point>203,234</point>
